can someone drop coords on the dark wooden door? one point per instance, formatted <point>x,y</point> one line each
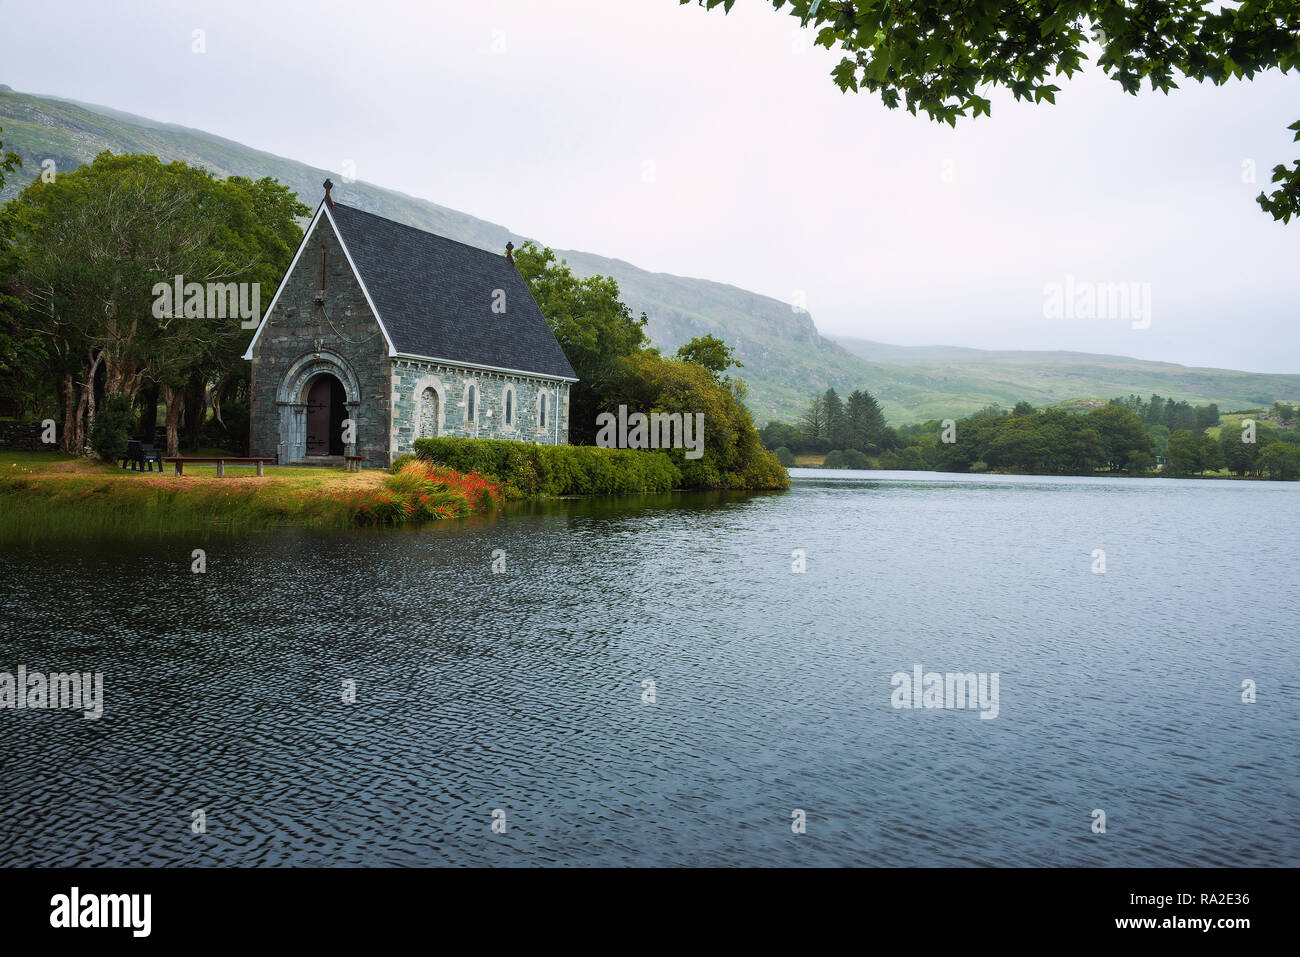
<point>325,414</point>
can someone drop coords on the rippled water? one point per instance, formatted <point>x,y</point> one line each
<point>523,691</point>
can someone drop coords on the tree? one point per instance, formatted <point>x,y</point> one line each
<point>1017,445</point>
<point>864,421</point>
<point>1180,415</point>
<point>594,327</point>
<point>853,459</point>
<point>1280,460</point>
<point>1159,437</point>
<point>222,374</point>
<point>1211,454</point>
<point>1183,457</point>
<point>836,423</point>
<point>813,419</point>
<point>1121,433</point>
<point>113,427</point>
<point>775,434</point>
<point>1022,408</point>
<point>1154,412</point>
<point>936,56</point>
<point>710,352</point>
<point>1238,456</point>
<point>1086,450</point>
<point>1140,462</point>
<point>1207,416</point>
<point>22,351</point>
<point>95,242</point>
<point>732,455</point>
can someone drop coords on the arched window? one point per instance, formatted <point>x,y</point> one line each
<point>473,397</point>
<point>542,416</point>
<point>510,407</point>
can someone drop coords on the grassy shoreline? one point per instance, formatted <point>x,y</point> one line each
<point>53,496</point>
<point>48,495</point>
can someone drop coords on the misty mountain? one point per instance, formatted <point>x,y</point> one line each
<point>785,358</point>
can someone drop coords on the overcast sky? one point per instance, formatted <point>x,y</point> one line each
<point>688,142</point>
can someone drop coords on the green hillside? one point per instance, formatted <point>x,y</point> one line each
<point>786,360</point>
<point>925,382</point>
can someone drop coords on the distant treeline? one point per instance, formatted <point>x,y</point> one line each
<point>1170,414</point>
<point>830,423</point>
<point>1130,435</point>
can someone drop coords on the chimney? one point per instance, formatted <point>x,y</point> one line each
<point>329,200</point>
<point>510,253</point>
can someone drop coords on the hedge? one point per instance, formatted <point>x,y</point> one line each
<point>555,469</point>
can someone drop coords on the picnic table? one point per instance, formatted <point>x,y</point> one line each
<point>182,460</point>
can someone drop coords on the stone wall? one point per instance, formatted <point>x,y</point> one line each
<point>416,413</point>
<point>346,333</point>
<point>17,436</point>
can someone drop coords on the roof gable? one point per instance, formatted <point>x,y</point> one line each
<point>434,297</point>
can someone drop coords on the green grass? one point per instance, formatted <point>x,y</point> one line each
<point>47,495</point>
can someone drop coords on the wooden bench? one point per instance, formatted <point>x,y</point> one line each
<point>352,463</point>
<point>221,460</point>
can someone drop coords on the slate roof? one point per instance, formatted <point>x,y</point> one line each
<point>434,296</point>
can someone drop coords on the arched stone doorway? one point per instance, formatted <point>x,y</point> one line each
<point>318,392</point>
<point>326,411</point>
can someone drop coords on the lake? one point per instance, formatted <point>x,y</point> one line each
<point>523,697</point>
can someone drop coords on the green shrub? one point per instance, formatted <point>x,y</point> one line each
<point>400,461</point>
<point>555,469</point>
<point>834,460</point>
<point>853,459</point>
<point>114,422</point>
<point>785,457</point>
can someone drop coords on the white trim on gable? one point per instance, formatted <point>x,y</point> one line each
<point>311,228</point>
<point>392,349</point>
